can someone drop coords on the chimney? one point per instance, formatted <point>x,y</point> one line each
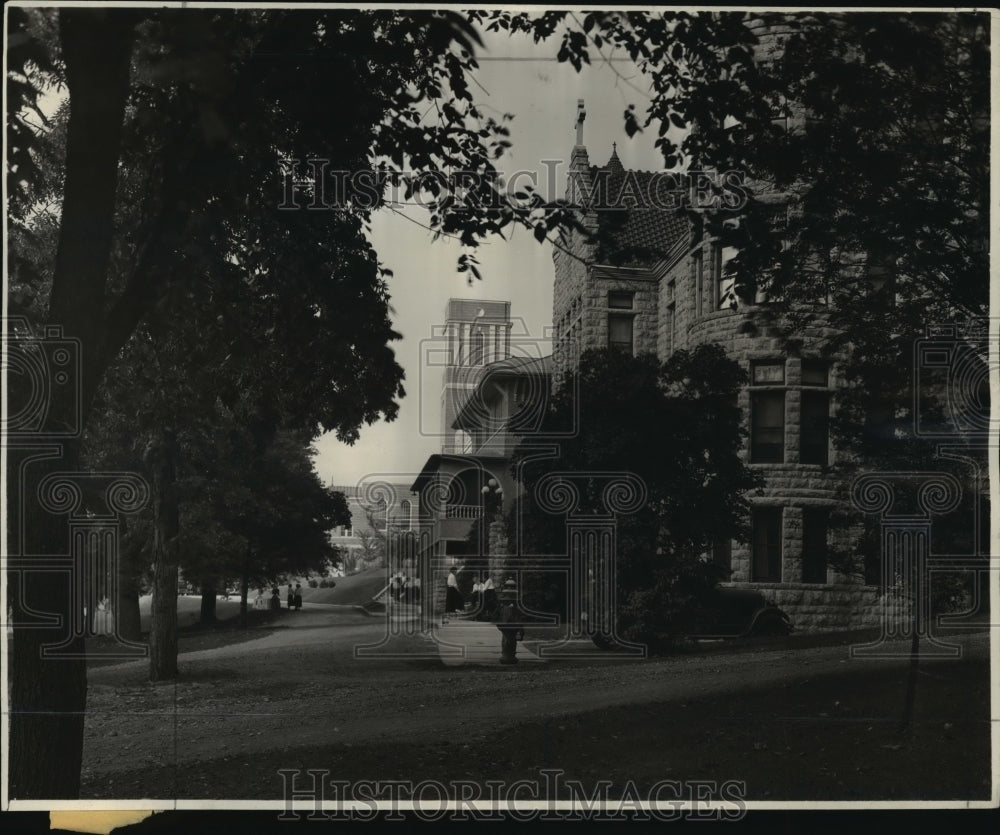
<point>581,114</point>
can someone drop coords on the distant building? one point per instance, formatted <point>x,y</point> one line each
<point>477,334</point>
<point>376,508</point>
<point>489,396</point>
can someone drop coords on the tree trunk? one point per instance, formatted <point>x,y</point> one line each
<point>245,589</point>
<point>127,619</point>
<point>128,623</point>
<point>208,615</point>
<point>48,697</point>
<point>97,49</point>
<point>163,633</point>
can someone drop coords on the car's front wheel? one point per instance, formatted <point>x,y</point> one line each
<point>769,628</point>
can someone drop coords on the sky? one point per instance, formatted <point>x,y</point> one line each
<point>517,77</point>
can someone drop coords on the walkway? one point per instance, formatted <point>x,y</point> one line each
<point>462,642</point>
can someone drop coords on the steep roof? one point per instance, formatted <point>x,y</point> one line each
<point>636,222</point>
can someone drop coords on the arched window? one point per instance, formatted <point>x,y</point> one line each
<point>404,511</point>
<point>478,347</point>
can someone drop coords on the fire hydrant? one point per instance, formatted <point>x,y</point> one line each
<point>510,630</point>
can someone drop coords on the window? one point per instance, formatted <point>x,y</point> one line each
<point>478,347</point>
<point>725,297</point>
<point>766,563</point>
<point>722,555</point>
<point>620,332</point>
<point>767,431</point>
<point>883,283</point>
<point>815,437</point>
<point>815,373</point>
<point>620,300</point>
<point>814,531</point>
<point>780,114</point>
<point>671,314</point>
<point>699,282</point>
<point>767,414</point>
<point>768,373</point>
<point>405,512</point>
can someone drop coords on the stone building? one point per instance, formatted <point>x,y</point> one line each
<point>654,284</point>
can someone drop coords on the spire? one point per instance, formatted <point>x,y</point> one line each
<point>615,164</point>
<point>581,114</point>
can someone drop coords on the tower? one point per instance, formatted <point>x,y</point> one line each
<point>478,333</point>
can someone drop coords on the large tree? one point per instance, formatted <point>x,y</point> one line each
<point>677,428</point>
<point>272,502</point>
<point>211,101</point>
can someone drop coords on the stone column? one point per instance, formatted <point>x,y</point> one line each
<point>499,547</point>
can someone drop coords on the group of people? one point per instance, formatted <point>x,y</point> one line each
<point>403,588</point>
<point>482,599</point>
<point>293,598</point>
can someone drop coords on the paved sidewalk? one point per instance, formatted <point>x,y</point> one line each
<point>463,642</point>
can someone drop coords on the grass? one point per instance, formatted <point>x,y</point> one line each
<point>832,737</point>
<point>198,636</point>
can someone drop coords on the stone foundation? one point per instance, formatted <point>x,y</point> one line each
<point>825,608</point>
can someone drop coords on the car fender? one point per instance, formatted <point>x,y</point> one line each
<point>769,618</point>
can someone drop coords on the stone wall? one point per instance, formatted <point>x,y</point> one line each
<point>825,608</point>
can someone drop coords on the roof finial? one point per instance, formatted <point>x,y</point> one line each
<point>614,163</point>
<point>581,114</point>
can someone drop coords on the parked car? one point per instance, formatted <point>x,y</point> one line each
<point>732,612</point>
<point>738,613</point>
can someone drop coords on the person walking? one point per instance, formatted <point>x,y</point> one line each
<point>298,596</point>
<point>453,600</point>
<point>290,597</point>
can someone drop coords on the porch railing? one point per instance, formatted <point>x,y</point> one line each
<point>463,511</point>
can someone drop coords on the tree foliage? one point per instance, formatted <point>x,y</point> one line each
<point>179,120</point>
<point>862,143</point>
<point>872,128</point>
<point>675,426</point>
